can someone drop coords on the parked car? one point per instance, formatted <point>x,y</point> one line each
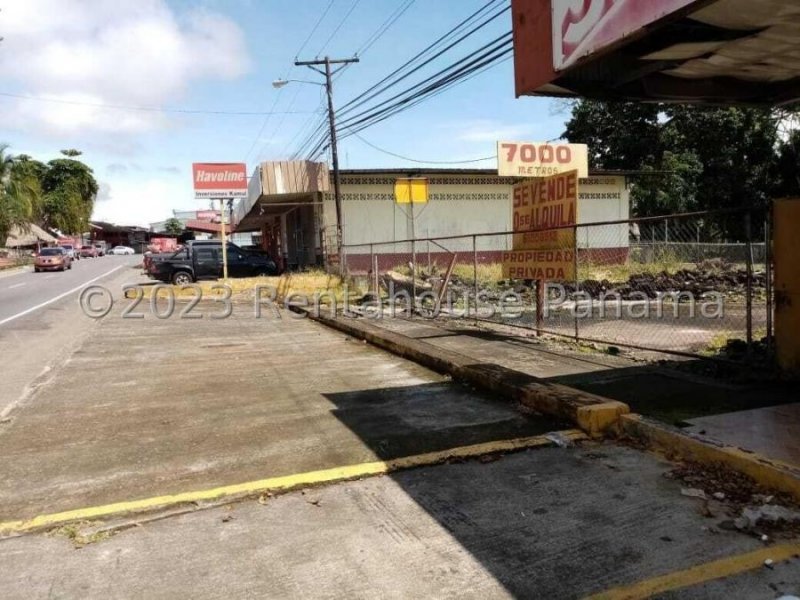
<point>88,252</point>
<point>52,259</point>
<point>71,251</point>
<point>122,250</point>
<point>203,260</point>
<point>101,248</point>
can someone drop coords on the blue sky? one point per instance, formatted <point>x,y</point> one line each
<point>223,55</point>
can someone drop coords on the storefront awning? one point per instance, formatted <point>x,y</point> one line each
<point>278,187</point>
<point>705,51</point>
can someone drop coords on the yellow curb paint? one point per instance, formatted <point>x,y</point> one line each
<point>718,569</point>
<point>770,473</point>
<point>284,483</point>
<point>598,419</point>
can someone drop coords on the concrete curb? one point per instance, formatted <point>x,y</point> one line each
<point>595,415</point>
<point>283,484</point>
<point>770,473</point>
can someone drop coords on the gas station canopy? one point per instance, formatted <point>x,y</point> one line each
<point>701,51</point>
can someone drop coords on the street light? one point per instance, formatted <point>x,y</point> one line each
<point>279,83</point>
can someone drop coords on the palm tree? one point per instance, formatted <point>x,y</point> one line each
<point>18,196</point>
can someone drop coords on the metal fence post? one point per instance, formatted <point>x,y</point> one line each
<point>475,272</point>
<point>768,274</point>
<point>430,266</point>
<point>372,267</point>
<point>413,305</point>
<point>749,285</point>
<point>577,285</point>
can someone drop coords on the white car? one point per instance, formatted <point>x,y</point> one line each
<point>121,250</point>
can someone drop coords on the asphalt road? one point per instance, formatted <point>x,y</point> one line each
<point>41,322</point>
<point>24,293</point>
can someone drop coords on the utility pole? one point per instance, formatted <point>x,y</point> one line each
<point>337,192</point>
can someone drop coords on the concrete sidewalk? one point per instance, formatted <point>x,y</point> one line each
<point>773,431</point>
<point>548,523</point>
<point>151,407</point>
<point>668,392</point>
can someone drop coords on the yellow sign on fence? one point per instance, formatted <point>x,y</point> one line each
<point>545,212</point>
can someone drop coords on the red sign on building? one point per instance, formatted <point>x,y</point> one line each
<point>219,180</point>
<point>208,215</point>
<point>584,27</point>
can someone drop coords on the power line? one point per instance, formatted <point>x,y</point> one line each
<point>462,70</point>
<point>314,29</point>
<point>430,162</point>
<point>442,87</point>
<point>378,33</point>
<point>376,89</point>
<point>280,91</point>
<point>160,109</point>
<point>497,43</point>
<point>361,98</point>
<point>483,66</point>
<point>308,122</point>
<point>448,76</point>
<point>338,27</point>
<point>384,27</point>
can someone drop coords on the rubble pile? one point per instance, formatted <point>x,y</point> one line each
<point>709,276</point>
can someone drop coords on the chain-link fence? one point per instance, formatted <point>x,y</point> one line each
<point>683,283</point>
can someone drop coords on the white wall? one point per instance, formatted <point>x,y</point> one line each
<point>603,199</point>
<point>463,205</point>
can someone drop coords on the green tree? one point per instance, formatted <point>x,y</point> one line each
<point>692,157</point>
<point>19,193</point>
<point>620,135</point>
<point>70,190</point>
<point>788,166</point>
<point>737,148</point>
<point>32,171</point>
<point>670,188</point>
<point>66,210</point>
<point>173,226</point>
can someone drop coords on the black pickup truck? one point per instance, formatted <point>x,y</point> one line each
<point>203,260</point>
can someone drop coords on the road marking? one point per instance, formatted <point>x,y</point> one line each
<point>286,482</point>
<point>16,285</point>
<point>718,569</point>
<point>59,297</point>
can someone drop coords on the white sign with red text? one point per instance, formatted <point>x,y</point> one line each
<point>541,159</point>
<point>584,27</point>
<point>219,180</point>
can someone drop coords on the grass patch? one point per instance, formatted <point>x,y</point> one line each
<point>306,283</point>
<point>488,274</point>
<point>724,344</point>
<point>72,531</point>
<point>621,273</point>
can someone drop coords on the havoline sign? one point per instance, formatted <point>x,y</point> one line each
<point>219,180</point>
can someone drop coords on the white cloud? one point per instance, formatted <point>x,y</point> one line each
<point>111,52</point>
<point>141,201</point>
<point>103,192</point>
